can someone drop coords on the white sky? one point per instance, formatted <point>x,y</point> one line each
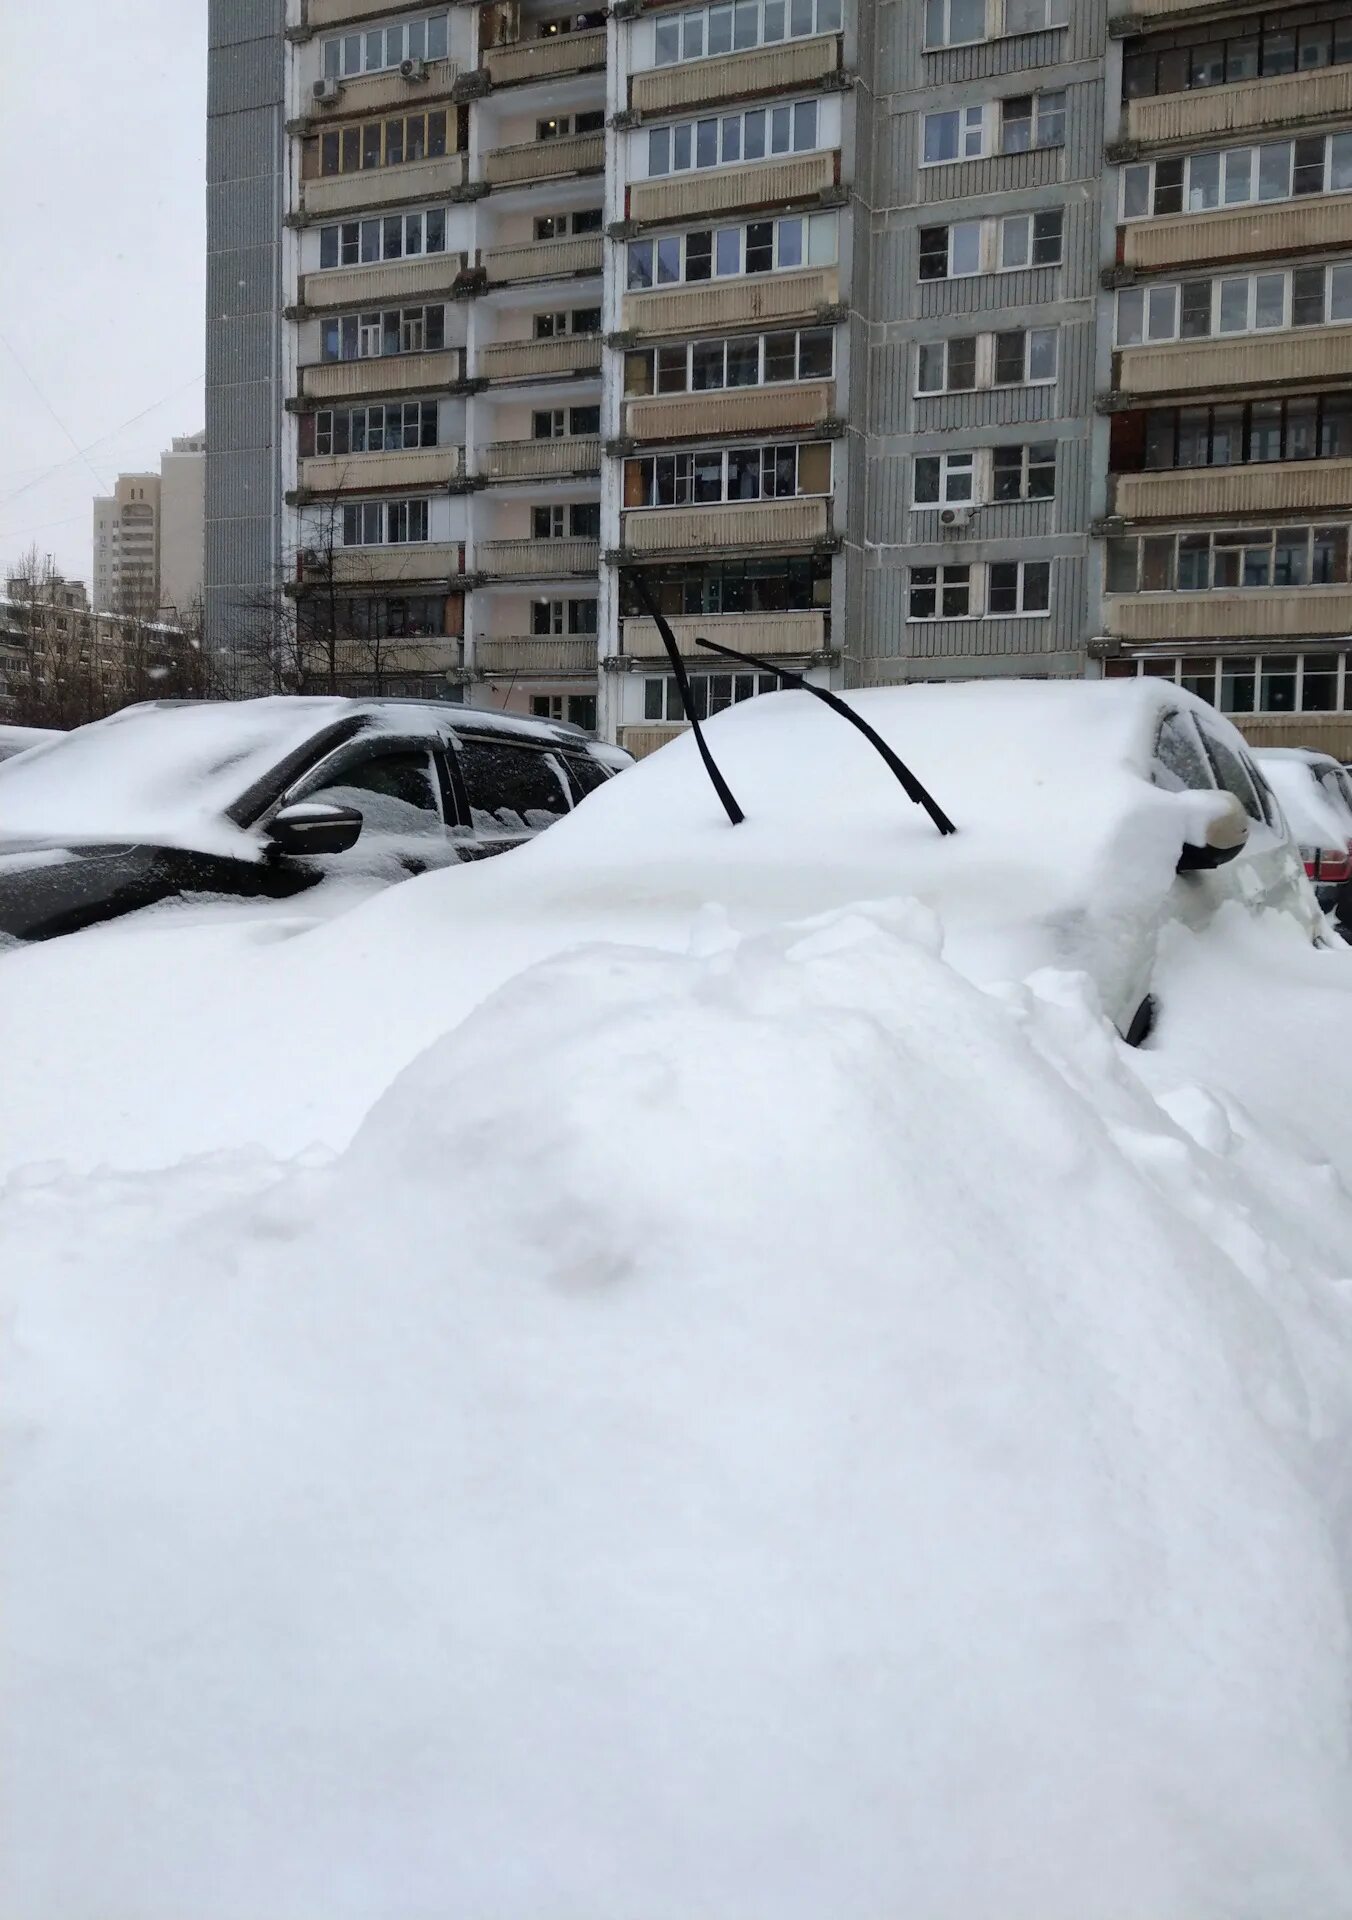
<point>102,239</point>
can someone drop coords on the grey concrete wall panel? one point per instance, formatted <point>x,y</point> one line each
<point>240,146</point>
<point>243,76</point>
<point>231,21</point>
<point>242,282</point>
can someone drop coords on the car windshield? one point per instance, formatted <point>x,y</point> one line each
<point>168,775</point>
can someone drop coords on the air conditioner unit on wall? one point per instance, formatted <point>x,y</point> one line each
<point>953,517</point>
<point>413,69</point>
<point>328,90</point>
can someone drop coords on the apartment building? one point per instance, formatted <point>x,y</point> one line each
<point>182,524</point>
<point>842,329</point>
<point>127,546</point>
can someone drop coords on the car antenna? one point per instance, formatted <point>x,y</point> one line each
<point>912,786</point>
<point>654,612</point>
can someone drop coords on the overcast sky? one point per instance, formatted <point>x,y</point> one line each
<point>102,163</point>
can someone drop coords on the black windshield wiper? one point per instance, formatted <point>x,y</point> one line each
<point>654,613</point>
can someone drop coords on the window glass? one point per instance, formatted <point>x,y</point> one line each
<point>1231,773</point>
<point>1179,762</point>
<point>395,793</point>
<point>512,789</point>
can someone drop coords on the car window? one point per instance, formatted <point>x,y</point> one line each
<point>511,788</point>
<point>1179,761</point>
<point>1334,783</point>
<point>395,792</point>
<point>1233,774</point>
<point>588,774</point>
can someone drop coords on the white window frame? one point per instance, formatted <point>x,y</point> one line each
<point>772,25</point>
<point>1040,110</point>
<point>386,515</point>
<point>1161,305</point>
<point>1231,162</point>
<point>398,44</point>
<point>941,568</point>
<point>972,130</point>
<point>379,221</point>
<point>1056,13</point>
<point>1021,611</point>
<point>820,248</point>
<point>1005,225</point>
<point>944,9</point>
<point>1024,450</point>
<point>957,471</point>
<point>683,154</point>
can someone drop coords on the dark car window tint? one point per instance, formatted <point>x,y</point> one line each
<point>588,773</point>
<point>510,788</point>
<point>394,792</point>
<point>1233,775</point>
<point>1179,760</point>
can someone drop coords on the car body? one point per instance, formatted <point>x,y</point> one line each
<point>1315,792</point>
<point>15,740</point>
<point>263,799</point>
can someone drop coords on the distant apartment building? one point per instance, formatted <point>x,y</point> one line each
<point>63,662</point>
<point>148,536</point>
<point>182,524</point>
<point>890,342</point>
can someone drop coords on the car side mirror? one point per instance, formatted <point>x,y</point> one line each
<point>313,826</point>
<point>1225,836</point>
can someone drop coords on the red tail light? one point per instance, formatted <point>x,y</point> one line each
<point>1329,868</point>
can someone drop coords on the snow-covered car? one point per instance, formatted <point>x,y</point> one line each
<point>1315,792</point>
<point>265,798</point>
<point>14,740</point>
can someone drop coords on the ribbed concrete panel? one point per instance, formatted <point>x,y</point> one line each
<point>884,597</point>
<point>239,146</point>
<point>230,22</point>
<point>247,74</point>
<point>903,62</point>
<point>1000,407</point>
<point>240,282</point>
<point>239,210</point>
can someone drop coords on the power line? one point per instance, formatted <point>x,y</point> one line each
<point>45,473</point>
<point>50,408</point>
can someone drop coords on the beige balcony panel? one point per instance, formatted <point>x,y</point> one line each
<point>545,159</point>
<point>1323,732</point>
<point>545,259</point>
<point>720,189</point>
<point>735,76</point>
<point>1293,485</point>
<point>641,741</point>
<point>1190,238</point>
<point>371,566</point>
<point>701,529</point>
<point>1195,366</point>
<point>537,559</point>
<point>543,59</point>
<point>354,287</point>
<point>1247,104</point>
<point>771,635</point>
<point>394,373</point>
<point>338,13</point>
<point>529,655</point>
<point>384,186</point>
<point>419,468</point>
<point>1160,9</point>
<point>376,92</point>
<point>744,411</point>
<point>1262,614</point>
<point>532,359</point>
<point>761,296</point>
<point>539,459</point>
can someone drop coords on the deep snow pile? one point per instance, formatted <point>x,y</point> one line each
<point>770,1430</point>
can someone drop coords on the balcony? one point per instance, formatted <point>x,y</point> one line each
<point>1320,732</point>
<point>392,373</point>
<point>536,359</point>
<point>547,58</point>
<point>533,657</point>
<point>383,186</point>
<point>420,469</point>
<point>377,92</point>
<point>545,259</point>
<point>1262,360</point>
<point>371,566</point>
<point>1245,106</point>
<point>1184,240</point>
<point>1205,492</point>
<point>758,297</point>
<point>764,523</point>
<point>1268,613</point>
<point>1150,11</point>
<point>641,741</point>
<point>351,287</point>
<point>746,410</point>
<point>537,559</point>
<point>545,159</point>
<point>736,76</point>
<point>540,459</point>
<point>767,183</point>
<point>771,636</point>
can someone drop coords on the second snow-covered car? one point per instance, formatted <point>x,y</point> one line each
<point>1315,792</point>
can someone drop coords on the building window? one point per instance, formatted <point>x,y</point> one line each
<point>944,479</point>
<point>703,33</point>
<point>1305,427</point>
<point>988,246</point>
<point>773,583</point>
<point>1031,120</point>
<point>563,617</point>
<point>393,617</point>
<point>1263,47</point>
<point>1228,559</point>
<point>383,143</point>
<point>563,423</point>
<point>722,140</point>
<point>1251,683</point>
<point>955,592</point>
<point>385,523</point>
<point>948,366</point>
<point>1026,357</point>
<point>377,49</point>
<point>394,330</point>
<point>707,366</point>
<point>1269,302</point>
<point>560,125</point>
<point>558,226</point>
<point>382,429</point>
<point>557,326</point>
<point>954,23</point>
<point>714,475</point>
<point>578,709</point>
<point>1018,586</point>
<point>710,693</point>
<point>1024,473</point>
<point>959,133</point>
<point>1238,176</point>
<point>580,521</point>
<point>940,593</point>
<point>761,246</point>
<point>390,236</point>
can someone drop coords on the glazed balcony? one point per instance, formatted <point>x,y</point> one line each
<point>540,459</point>
<point>536,359</point>
<point>1207,492</point>
<point>545,159</point>
<point>545,259</point>
<point>389,373</point>
<point>1300,226</point>
<point>761,523</point>
<point>1152,12</point>
<point>771,636</point>
<point>352,287</point>
<point>364,93</point>
<point>547,58</point>
<point>537,559</point>
<point>759,297</point>
<point>381,566</point>
<point>1285,100</point>
<point>535,657</point>
<point>1260,614</point>
<point>418,469</point>
<point>736,76</point>
<point>1258,360</point>
<point>641,741</point>
<point>766,183</point>
<point>744,410</point>
<point>383,186</point>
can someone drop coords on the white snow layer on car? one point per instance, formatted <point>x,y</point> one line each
<point>751,1425</point>
<point>1317,817</point>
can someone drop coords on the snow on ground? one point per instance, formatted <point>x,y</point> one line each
<point>752,1424</point>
